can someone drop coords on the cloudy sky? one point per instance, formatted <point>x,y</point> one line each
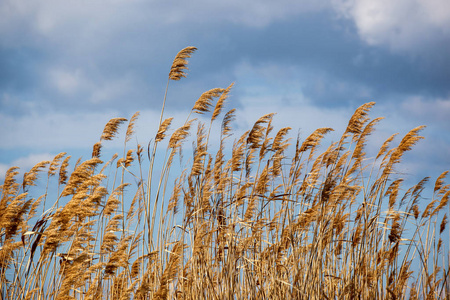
<point>67,67</point>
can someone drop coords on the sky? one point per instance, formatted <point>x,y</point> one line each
<point>67,67</point>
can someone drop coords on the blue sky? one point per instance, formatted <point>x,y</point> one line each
<point>67,67</point>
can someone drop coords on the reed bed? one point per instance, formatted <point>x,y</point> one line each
<point>258,216</point>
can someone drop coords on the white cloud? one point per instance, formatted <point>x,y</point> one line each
<point>24,163</point>
<point>402,25</point>
<point>46,131</point>
<point>67,82</point>
<point>111,89</point>
<point>80,130</point>
<point>73,82</point>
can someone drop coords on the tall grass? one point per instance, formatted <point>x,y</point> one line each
<point>260,216</point>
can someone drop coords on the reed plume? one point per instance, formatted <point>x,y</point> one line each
<point>111,128</point>
<point>179,65</point>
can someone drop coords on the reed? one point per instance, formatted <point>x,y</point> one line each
<point>265,216</point>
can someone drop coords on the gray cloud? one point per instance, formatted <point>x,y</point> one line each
<point>91,55</point>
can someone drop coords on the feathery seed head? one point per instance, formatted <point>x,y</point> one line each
<point>110,130</point>
<point>179,65</point>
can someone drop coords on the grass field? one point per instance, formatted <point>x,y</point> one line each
<point>258,216</point>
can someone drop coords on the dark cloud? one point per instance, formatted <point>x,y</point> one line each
<point>126,66</point>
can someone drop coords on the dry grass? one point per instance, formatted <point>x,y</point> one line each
<point>258,218</point>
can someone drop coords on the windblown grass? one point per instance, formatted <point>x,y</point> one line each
<point>260,217</point>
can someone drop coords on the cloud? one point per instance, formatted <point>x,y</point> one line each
<point>47,131</point>
<point>248,13</point>
<point>59,131</point>
<point>403,25</point>
<point>25,163</point>
<point>85,55</point>
<point>273,88</point>
<point>435,111</point>
<point>66,82</point>
<point>60,21</point>
<point>96,89</point>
